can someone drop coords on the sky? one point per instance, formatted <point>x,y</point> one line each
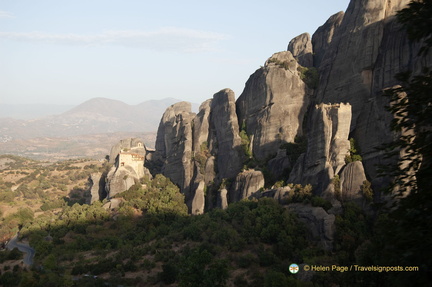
<point>67,52</point>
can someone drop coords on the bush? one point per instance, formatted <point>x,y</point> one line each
<point>319,201</point>
<point>310,76</point>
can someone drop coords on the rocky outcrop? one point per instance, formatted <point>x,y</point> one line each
<point>323,36</point>
<point>320,223</point>
<point>328,146</point>
<point>225,141</point>
<point>357,54</point>
<point>377,49</point>
<point>301,48</point>
<point>198,200</point>
<point>273,104</point>
<point>97,190</point>
<point>279,165</point>
<point>351,180</point>
<point>174,145</point>
<point>246,184</point>
<point>222,199</point>
<point>120,179</point>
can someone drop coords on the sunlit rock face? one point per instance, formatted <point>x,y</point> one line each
<point>273,104</point>
<point>351,58</point>
<point>174,144</point>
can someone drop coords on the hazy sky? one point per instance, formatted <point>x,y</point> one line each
<point>66,52</point>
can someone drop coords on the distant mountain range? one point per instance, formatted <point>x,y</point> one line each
<point>71,125</point>
<point>97,115</point>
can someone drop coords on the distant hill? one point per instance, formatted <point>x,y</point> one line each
<point>97,115</point>
<point>31,111</point>
<point>76,127</point>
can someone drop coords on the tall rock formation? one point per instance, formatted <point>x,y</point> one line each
<point>273,104</point>
<point>358,53</point>
<point>174,144</point>
<point>328,146</point>
<point>225,141</point>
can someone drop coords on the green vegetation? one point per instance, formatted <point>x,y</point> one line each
<point>310,76</point>
<point>353,152</point>
<point>337,187</point>
<point>159,196</point>
<point>166,246</point>
<point>282,64</point>
<point>295,149</point>
<point>201,157</point>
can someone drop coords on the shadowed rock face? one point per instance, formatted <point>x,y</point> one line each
<point>273,104</point>
<point>358,53</point>
<point>246,184</point>
<point>351,181</point>
<point>97,190</point>
<point>328,145</point>
<point>319,222</point>
<point>226,142</point>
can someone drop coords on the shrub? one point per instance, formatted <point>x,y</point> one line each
<point>310,76</point>
<point>353,152</point>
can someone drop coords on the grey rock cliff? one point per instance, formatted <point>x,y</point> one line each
<point>246,184</point>
<point>97,190</point>
<point>273,104</point>
<point>301,48</point>
<point>226,142</point>
<point>358,53</point>
<point>120,179</point>
<point>174,145</point>
<point>328,145</point>
<point>351,179</point>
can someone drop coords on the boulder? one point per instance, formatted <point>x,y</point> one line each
<point>97,190</point>
<point>222,201</point>
<point>198,201</point>
<point>351,180</point>
<point>320,223</point>
<point>323,36</point>
<point>246,184</point>
<point>368,35</point>
<point>119,179</point>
